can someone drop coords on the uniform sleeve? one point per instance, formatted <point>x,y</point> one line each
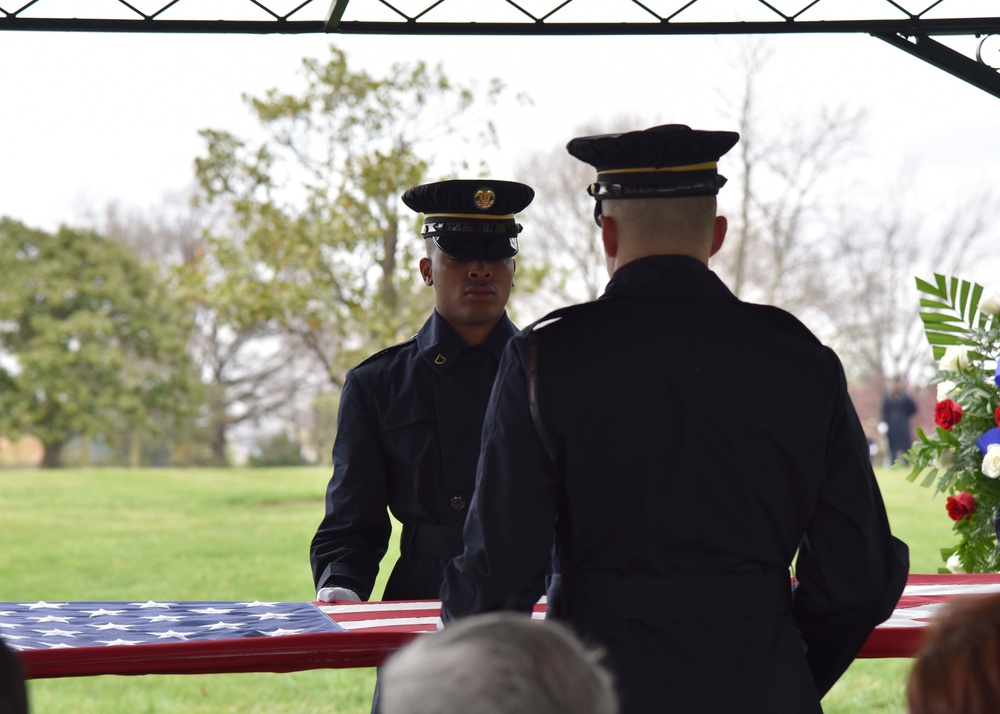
<point>509,529</point>
<point>354,534</point>
<point>850,569</point>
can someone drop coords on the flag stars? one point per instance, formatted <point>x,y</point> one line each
<point>272,616</point>
<point>150,603</point>
<point>279,631</point>
<point>58,633</point>
<point>111,626</point>
<point>170,634</point>
<point>47,626</point>
<point>222,626</point>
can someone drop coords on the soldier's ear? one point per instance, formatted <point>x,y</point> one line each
<point>718,234</point>
<point>609,235</point>
<point>425,271</point>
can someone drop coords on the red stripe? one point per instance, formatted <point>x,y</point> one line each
<point>368,647</point>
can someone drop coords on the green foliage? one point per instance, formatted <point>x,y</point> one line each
<point>92,339</point>
<point>966,340</point>
<point>278,450</point>
<point>951,316</point>
<point>317,243</point>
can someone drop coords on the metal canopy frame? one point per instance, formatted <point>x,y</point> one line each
<point>974,58</point>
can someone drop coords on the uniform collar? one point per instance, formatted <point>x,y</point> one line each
<point>440,345</point>
<point>666,276</point>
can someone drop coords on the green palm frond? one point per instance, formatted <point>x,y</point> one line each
<point>951,314</point>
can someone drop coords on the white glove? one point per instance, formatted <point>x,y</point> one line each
<point>332,594</point>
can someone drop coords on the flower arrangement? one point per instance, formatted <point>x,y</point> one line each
<point>962,456</point>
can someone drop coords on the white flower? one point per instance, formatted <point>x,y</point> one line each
<point>990,301</point>
<point>991,461</point>
<point>945,459</point>
<point>955,357</point>
<point>945,389</point>
<point>954,564</point>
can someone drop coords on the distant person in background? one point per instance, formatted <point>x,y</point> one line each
<point>897,409</point>
<point>13,690</point>
<point>501,663</point>
<point>957,670</point>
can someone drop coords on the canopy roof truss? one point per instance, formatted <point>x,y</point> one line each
<point>961,37</point>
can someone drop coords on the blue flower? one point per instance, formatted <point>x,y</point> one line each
<point>990,437</point>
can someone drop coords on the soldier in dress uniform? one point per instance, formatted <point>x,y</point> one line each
<point>410,418</point>
<point>682,448</point>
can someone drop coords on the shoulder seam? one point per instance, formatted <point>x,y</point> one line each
<point>385,351</point>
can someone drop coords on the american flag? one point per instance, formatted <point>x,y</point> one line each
<point>71,639</point>
<point>61,625</point>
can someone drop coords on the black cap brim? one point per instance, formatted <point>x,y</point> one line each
<point>465,246</point>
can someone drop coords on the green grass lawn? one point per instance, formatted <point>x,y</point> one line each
<point>116,534</point>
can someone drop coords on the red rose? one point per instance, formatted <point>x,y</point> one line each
<point>947,414</point>
<point>961,506</point>
<point>996,416</point>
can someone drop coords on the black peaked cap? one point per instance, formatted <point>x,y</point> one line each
<point>460,196</point>
<point>666,146</point>
<point>471,218</point>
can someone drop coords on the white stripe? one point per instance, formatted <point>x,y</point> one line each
<point>911,616</point>
<point>431,623</point>
<point>971,588</point>
<point>381,607</point>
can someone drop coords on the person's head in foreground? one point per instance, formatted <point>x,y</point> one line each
<point>957,670</point>
<point>500,663</point>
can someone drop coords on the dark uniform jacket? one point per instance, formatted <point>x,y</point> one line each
<point>699,442</point>
<point>408,433</point>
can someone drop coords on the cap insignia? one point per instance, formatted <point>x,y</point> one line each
<point>484,198</point>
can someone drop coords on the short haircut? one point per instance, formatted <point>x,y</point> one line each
<point>688,218</point>
<point>500,663</point>
<point>958,667</point>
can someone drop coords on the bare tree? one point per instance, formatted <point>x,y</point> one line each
<point>880,252</point>
<point>776,252</point>
<point>170,234</point>
<point>563,239</point>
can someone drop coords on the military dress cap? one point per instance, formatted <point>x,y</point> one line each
<point>471,219</point>
<point>668,161</point>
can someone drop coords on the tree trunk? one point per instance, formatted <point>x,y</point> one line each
<point>52,456</point>
<point>220,444</point>
<point>135,449</point>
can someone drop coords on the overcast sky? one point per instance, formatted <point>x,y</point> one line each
<point>90,118</point>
